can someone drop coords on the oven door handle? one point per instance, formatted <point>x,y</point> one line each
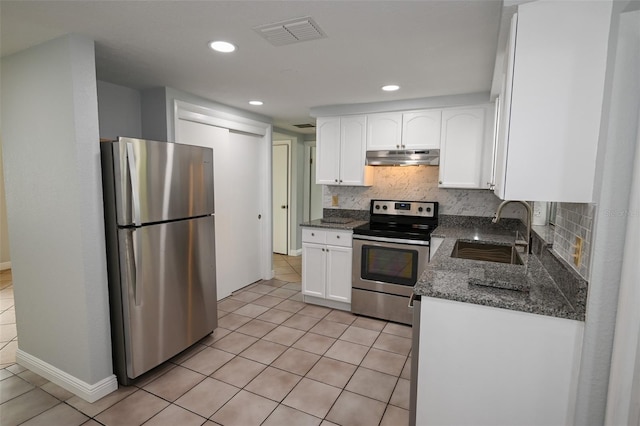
<point>411,299</point>
<point>391,240</point>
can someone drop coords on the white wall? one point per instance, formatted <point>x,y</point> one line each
<point>119,111</point>
<point>54,205</point>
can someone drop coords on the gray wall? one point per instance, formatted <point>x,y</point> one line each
<point>54,205</point>
<point>616,149</point>
<point>119,111</point>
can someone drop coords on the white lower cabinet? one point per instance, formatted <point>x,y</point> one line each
<point>326,267</point>
<point>479,365</point>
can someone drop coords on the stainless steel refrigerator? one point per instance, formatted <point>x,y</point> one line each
<point>159,220</point>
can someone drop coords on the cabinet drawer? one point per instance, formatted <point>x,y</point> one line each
<point>339,238</point>
<point>313,235</point>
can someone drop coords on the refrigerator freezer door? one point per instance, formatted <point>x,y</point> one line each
<point>160,181</point>
<point>168,290</point>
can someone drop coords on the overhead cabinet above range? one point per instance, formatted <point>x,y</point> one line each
<point>461,137</point>
<point>404,130</point>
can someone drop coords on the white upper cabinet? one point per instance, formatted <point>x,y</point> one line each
<point>384,131</point>
<point>552,101</point>
<point>404,130</point>
<point>466,148</point>
<point>341,150</point>
<point>421,129</point>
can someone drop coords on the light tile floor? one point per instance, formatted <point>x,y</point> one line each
<point>273,361</point>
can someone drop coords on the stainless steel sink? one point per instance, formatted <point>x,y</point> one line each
<point>486,252</point>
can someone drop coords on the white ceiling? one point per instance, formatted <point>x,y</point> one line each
<point>430,48</point>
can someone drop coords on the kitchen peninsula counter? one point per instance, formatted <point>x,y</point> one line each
<point>457,279</point>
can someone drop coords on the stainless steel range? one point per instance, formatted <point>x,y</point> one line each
<point>389,255</point>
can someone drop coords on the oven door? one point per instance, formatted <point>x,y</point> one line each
<point>383,276</point>
<point>388,265</point>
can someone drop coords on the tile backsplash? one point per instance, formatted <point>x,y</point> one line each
<point>574,220</point>
<point>419,183</point>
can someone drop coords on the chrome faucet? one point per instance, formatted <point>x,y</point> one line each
<point>496,218</point>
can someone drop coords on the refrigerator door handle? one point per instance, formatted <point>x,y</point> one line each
<point>133,175</point>
<point>137,266</point>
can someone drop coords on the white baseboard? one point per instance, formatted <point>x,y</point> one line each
<point>334,304</point>
<point>295,252</point>
<point>5,265</point>
<point>89,393</point>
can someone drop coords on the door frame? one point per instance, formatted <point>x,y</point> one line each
<point>287,143</point>
<point>191,112</point>
<point>307,180</point>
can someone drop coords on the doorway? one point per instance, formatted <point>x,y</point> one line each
<point>312,191</point>
<point>281,172</point>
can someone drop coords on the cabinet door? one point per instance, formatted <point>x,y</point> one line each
<point>461,148</point>
<point>460,380</point>
<point>328,150</point>
<point>556,100</point>
<point>500,162</point>
<point>353,133</point>
<point>421,129</point>
<point>384,131</point>
<point>339,273</point>
<point>313,269</point>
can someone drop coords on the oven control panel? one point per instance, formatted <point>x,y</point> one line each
<point>404,208</point>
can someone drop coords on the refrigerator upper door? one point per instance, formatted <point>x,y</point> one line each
<point>160,181</point>
<point>168,289</point>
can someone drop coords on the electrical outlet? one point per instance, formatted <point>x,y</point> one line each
<point>334,200</point>
<point>577,255</point>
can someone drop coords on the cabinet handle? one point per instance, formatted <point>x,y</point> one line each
<point>440,182</point>
<point>397,146</point>
<point>338,236</point>
<point>313,235</point>
<point>340,180</point>
<point>336,180</point>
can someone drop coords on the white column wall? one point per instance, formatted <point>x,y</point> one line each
<point>55,214</point>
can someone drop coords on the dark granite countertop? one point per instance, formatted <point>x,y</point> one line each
<point>525,288</point>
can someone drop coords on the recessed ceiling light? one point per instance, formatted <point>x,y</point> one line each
<point>256,103</point>
<point>222,46</point>
<point>390,87</point>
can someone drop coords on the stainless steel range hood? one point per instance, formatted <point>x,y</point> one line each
<point>409,157</point>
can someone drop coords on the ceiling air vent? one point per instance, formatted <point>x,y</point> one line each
<point>305,126</point>
<point>291,31</point>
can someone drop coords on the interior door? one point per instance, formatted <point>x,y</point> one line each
<point>236,162</point>
<point>280,182</point>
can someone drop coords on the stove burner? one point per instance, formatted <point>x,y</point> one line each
<point>401,219</point>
